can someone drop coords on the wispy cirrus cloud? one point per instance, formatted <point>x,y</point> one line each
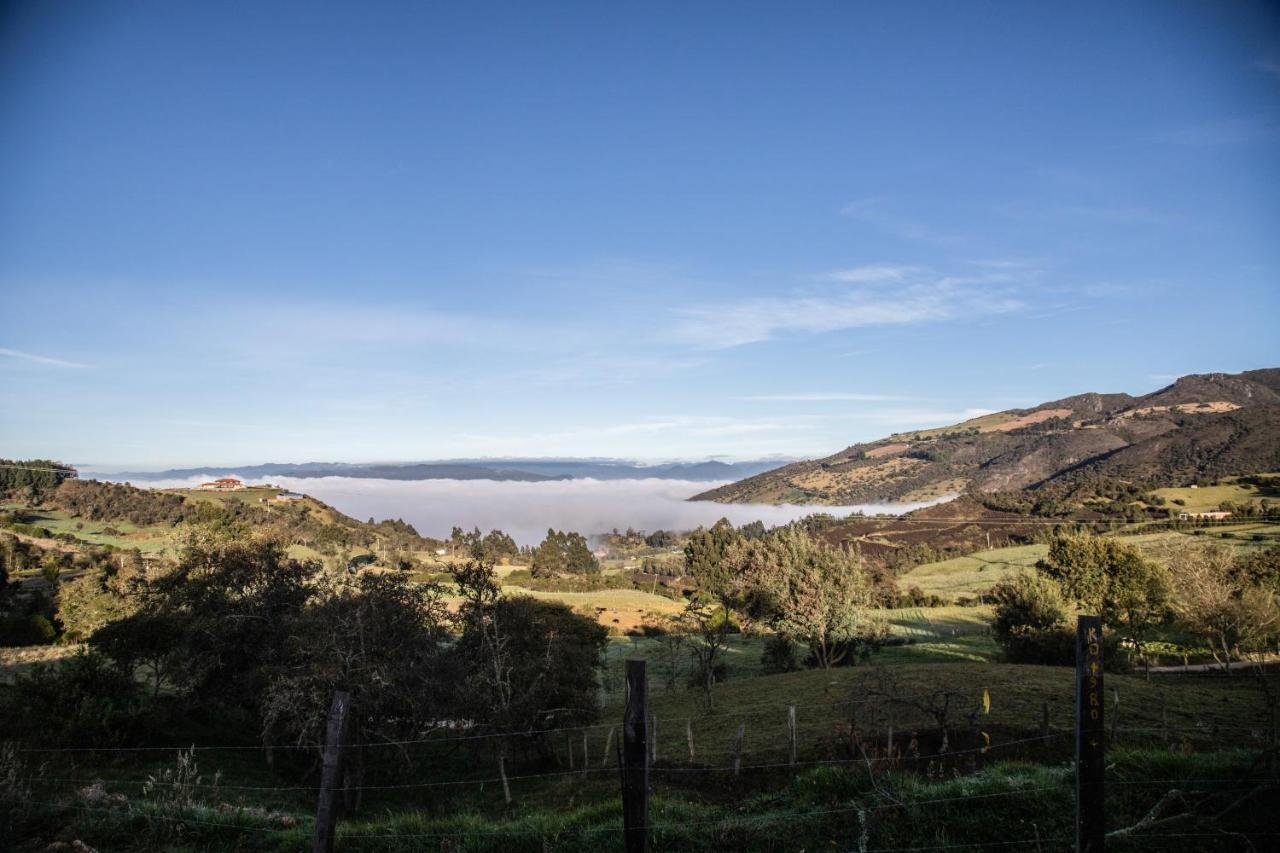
<point>39,359</point>
<point>921,297</point>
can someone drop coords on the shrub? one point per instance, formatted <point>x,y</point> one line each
<point>779,655</point>
<point>82,701</point>
<point>33,630</point>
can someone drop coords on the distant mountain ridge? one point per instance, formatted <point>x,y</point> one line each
<point>1203,425</point>
<point>521,470</point>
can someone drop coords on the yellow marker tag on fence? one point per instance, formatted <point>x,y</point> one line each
<point>986,741</point>
<point>986,701</point>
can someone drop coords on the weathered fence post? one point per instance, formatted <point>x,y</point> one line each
<point>635,758</point>
<point>585,760</point>
<point>502,771</point>
<point>688,733</point>
<point>791,730</point>
<point>737,749</point>
<point>1090,755</point>
<point>327,811</point>
<point>653,741</point>
<point>608,744</point>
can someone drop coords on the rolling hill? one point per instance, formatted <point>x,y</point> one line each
<point>1202,426</point>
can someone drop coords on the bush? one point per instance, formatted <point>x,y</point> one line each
<point>779,655</point>
<point>34,630</point>
<point>82,701</point>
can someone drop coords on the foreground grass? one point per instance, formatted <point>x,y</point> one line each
<point>1226,798</point>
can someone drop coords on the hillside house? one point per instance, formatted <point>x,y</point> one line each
<point>1203,516</point>
<point>224,484</point>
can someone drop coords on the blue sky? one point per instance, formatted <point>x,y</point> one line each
<point>233,233</point>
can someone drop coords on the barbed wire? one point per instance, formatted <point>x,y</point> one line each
<point>582,771</point>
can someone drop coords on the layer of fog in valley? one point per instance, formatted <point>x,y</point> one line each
<point>526,510</point>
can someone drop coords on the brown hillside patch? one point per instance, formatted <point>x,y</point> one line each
<point>886,450</point>
<point>1215,407</point>
<point>1028,420</point>
<point>820,479</point>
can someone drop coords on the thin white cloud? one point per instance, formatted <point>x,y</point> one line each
<point>820,397</point>
<point>39,359</point>
<point>869,274</point>
<point>905,419</point>
<point>920,299</point>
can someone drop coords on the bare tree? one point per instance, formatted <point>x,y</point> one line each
<point>1210,601</point>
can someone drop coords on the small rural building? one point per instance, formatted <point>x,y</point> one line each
<point>224,484</point>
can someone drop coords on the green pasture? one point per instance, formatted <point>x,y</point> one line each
<point>148,539</point>
<point>972,574</point>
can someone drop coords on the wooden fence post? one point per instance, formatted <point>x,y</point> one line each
<point>1090,754</point>
<point>585,762</point>
<point>688,733</point>
<point>327,811</point>
<point>635,758</point>
<point>653,741</point>
<point>737,749</point>
<point>608,744</point>
<point>791,729</point>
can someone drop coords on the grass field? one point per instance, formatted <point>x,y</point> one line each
<point>1207,498</point>
<point>621,609</point>
<point>972,574</point>
<point>937,623</point>
<point>151,539</point>
<point>1241,538</point>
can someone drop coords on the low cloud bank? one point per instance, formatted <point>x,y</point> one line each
<point>526,510</point>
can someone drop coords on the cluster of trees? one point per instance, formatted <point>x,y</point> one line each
<point>97,501</point>
<point>34,479</point>
<point>241,635</point>
<point>493,547</point>
<point>1231,604</point>
<point>563,554</point>
<point>1248,509</point>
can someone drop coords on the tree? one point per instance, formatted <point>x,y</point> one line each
<point>1259,568</point>
<point>1030,620</point>
<point>495,547</point>
<point>379,637</point>
<point>1211,603</point>
<point>143,643</point>
<point>528,664</point>
<point>234,603</point>
<point>1111,578</point>
<point>707,627</point>
<point>563,553</point>
<point>806,591</point>
<point>704,558</point>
